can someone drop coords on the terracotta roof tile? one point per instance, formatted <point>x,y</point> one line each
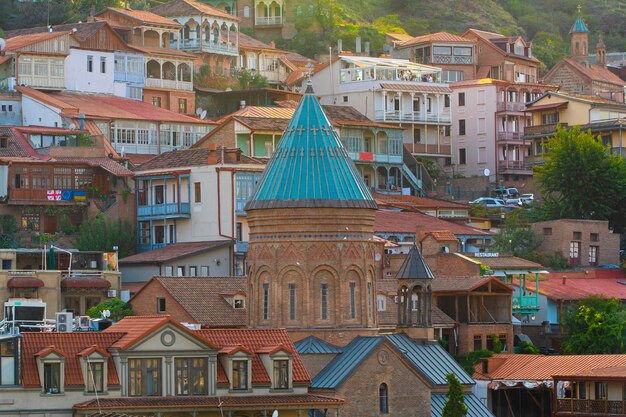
<point>256,339</point>
<point>106,164</point>
<point>162,51</point>
<point>18,42</point>
<point>17,145</point>
<point>174,251</point>
<point>596,72</point>
<point>418,202</point>
<point>102,106</point>
<point>145,16</point>
<point>197,156</point>
<point>388,221</point>
<point>540,367</point>
<point>435,37</point>
<point>203,298</point>
<point>579,285</point>
<point>175,8</point>
<point>70,344</point>
<point>463,283</point>
<point>200,402</point>
<point>442,236</point>
<point>248,42</point>
<point>83,29</point>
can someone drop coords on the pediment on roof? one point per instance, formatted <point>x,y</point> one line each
<point>170,338</point>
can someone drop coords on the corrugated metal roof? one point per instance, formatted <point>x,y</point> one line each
<point>344,364</point>
<point>430,359</point>
<point>310,167</point>
<point>475,408</point>
<point>313,345</point>
<point>414,266</point>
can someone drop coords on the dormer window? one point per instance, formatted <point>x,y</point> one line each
<point>52,378</point>
<point>240,375</point>
<point>281,374</point>
<point>239,303</point>
<point>95,377</point>
<point>4,141</point>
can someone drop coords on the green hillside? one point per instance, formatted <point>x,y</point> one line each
<point>321,22</point>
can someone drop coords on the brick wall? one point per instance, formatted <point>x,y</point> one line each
<point>569,80</point>
<point>223,136</point>
<point>431,246</point>
<point>449,264</point>
<point>408,395</point>
<point>467,333</point>
<point>145,303</point>
<point>558,234</point>
<point>315,363</point>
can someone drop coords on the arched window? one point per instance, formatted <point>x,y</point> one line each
<point>383,398</point>
<point>246,11</point>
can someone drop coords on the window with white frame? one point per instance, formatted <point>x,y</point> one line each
<point>240,374</point>
<point>52,372</point>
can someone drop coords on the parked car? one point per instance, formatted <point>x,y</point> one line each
<point>514,201</point>
<point>489,202</point>
<point>527,199</point>
<point>510,192</point>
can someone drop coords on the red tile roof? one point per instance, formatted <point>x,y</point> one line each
<point>18,42</point>
<point>442,236</point>
<point>162,51</point>
<point>579,285</point>
<point>176,8</point>
<point>201,402</point>
<point>145,16</point>
<point>70,345</point>
<point>197,156</point>
<point>18,145</point>
<point>516,367</point>
<point>388,221</point>
<point>174,251</point>
<point>417,202</point>
<point>102,106</point>
<point>503,262</point>
<point>258,339</point>
<point>435,37</point>
<point>465,283</point>
<point>596,72</point>
<point>203,298</point>
<point>106,164</point>
<point>135,328</point>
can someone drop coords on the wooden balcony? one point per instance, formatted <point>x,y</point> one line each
<point>40,196</point>
<point>169,210</point>
<point>579,408</point>
<point>268,20</point>
<point>542,129</point>
<point>170,84</point>
<point>431,149</point>
<point>514,167</point>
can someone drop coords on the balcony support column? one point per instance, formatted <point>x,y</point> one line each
<point>424,105</point>
<point>412,94</point>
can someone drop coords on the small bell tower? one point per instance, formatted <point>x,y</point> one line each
<point>415,296</point>
<point>600,52</point>
<point>580,40</point>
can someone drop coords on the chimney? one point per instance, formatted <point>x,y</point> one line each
<point>357,49</point>
<point>212,158</point>
<point>564,279</point>
<point>367,48</point>
<point>272,44</point>
<point>242,104</point>
<point>339,46</point>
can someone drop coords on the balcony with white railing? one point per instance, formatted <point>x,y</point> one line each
<point>224,48</point>
<point>510,106</point>
<point>268,20</point>
<point>510,136</point>
<point>170,84</point>
<point>415,117</point>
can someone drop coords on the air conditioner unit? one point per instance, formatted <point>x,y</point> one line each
<point>65,322</point>
<point>112,293</point>
<point>84,322</point>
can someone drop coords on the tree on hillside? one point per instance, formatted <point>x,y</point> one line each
<point>596,326</point>
<point>581,179</point>
<point>455,404</point>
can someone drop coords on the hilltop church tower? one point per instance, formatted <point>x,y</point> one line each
<point>580,40</point>
<point>311,254</point>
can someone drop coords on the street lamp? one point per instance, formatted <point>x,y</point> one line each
<point>511,245</point>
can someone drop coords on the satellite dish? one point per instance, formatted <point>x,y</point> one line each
<point>275,413</point>
<point>106,314</point>
<point>486,172</point>
<point>72,126</point>
<point>3,44</point>
<point>199,111</point>
<point>377,257</point>
<point>203,115</point>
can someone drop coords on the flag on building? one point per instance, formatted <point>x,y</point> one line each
<point>67,195</point>
<point>54,195</point>
<point>80,195</point>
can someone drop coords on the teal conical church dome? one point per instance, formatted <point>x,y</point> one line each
<point>310,167</point>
